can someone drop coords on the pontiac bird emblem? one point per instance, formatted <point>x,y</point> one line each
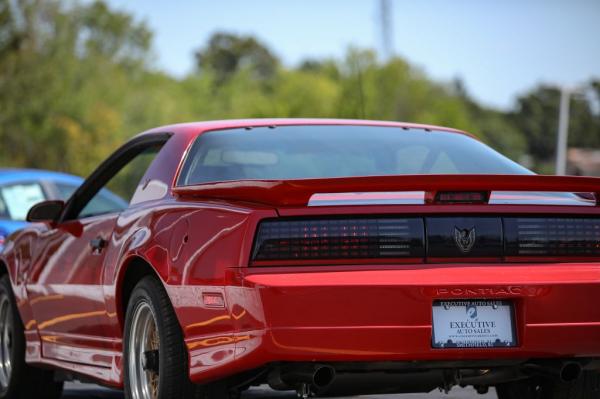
<point>464,238</point>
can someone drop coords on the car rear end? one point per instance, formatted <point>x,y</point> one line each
<point>407,283</point>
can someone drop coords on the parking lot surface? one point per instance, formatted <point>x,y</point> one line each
<point>87,391</point>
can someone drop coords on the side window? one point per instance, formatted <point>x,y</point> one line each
<point>126,181</point>
<point>16,199</point>
<point>116,195</point>
<point>105,202</point>
<point>65,190</point>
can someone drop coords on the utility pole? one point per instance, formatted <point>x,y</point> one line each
<point>387,31</point>
<point>563,131</point>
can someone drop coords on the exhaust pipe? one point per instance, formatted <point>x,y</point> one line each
<point>570,371</point>
<point>323,376</point>
<point>565,371</point>
<point>318,376</point>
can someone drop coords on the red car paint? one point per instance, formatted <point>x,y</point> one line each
<point>236,317</point>
<point>299,192</point>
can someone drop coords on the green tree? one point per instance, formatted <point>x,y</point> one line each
<point>492,126</point>
<point>226,53</point>
<point>536,117</point>
<point>64,74</point>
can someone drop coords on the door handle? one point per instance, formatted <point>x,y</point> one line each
<point>98,244</point>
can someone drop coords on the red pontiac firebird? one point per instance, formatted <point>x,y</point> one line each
<point>330,257</point>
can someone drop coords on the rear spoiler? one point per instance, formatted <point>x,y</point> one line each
<point>297,192</point>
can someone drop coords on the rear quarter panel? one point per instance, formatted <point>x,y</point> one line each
<point>196,248</point>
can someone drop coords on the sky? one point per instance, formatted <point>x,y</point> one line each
<point>499,48</point>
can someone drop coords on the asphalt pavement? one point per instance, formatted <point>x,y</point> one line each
<point>87,391</point>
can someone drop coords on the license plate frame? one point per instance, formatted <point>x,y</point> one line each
<point>476,323</point>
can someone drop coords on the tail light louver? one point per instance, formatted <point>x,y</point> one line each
<point>552,236</point>
<point>339,239</point>
<point>426,239</point>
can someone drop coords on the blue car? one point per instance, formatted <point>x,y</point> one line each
<point>22,188</point>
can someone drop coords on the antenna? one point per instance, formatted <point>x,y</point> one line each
<point>387,31</point>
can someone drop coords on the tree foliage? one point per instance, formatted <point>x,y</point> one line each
<point>76,79</point>
<point>226,54</point>
<point>64,76</point>
<point>536,117</point>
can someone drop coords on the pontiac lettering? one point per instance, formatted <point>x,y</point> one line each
<point>513,290</point>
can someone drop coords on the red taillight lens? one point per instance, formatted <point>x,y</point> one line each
<point>339,239</point>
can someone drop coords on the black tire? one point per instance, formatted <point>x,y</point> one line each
<point>24,381</point>
<point>586,387</point>
<point>173,380</point>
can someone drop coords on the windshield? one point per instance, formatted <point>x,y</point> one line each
<point>301,152</point>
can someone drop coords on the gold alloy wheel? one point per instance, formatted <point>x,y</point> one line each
<point>144,345</point>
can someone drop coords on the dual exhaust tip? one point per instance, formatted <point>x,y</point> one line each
<point>317,376</point>
<point>568,371</point>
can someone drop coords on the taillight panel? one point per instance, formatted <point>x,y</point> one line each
<point>339,238</point>
<point>432,239</point>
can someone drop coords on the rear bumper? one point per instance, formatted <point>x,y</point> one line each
<point>385,314</point>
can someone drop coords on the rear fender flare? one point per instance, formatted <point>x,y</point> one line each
<point>159,270</point>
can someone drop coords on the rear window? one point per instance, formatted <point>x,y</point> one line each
<point>302,152</point>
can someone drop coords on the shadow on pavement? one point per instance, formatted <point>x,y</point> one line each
<point>81,391</point>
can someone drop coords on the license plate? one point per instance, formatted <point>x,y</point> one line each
<point>473,324</point>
